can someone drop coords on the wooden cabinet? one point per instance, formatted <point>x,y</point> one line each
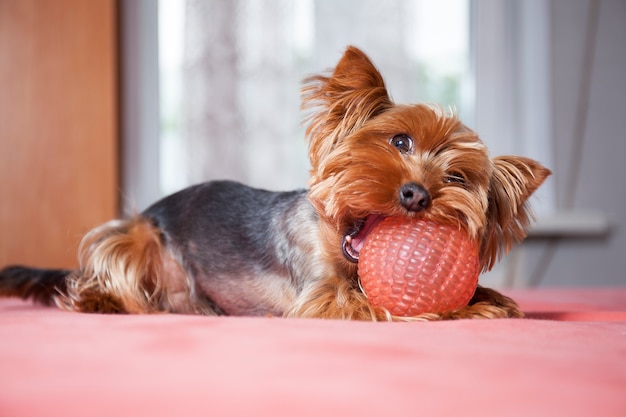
<point>58,126</point>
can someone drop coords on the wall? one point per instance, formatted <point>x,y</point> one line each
<point>58,126</point>
<point>600,260</point>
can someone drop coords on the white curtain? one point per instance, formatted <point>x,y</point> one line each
<point>243,62</point>
<point>240,94</point>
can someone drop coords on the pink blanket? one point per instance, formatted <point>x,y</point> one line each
<point>567,359</point>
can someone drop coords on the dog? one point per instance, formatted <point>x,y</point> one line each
<point>223,248</point>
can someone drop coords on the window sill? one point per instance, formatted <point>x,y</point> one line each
<point>575,224</point>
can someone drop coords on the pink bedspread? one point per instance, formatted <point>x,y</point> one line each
<point>567,359</point>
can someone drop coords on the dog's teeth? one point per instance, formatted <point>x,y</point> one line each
<point>348,239</point>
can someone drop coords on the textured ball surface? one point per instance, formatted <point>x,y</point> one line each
<point>411,266</point>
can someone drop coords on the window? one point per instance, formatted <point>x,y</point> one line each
<point>231,73</point>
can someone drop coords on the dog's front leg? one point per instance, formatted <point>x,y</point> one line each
<point>334,298</point>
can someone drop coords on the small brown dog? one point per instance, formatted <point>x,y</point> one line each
<point>222,248</point>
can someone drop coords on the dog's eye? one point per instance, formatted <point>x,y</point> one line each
<point>454,177</point>
<point>402,142</point>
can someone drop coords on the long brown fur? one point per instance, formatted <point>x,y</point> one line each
<point>223,248</point>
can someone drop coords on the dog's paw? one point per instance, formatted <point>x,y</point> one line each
<point>486,304</point>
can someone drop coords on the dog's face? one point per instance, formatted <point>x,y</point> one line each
<point>372,158</point>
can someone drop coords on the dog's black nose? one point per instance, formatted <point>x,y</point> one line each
<point>414,197</point>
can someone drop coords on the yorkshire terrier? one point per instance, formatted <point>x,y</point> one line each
<point>222,248</point>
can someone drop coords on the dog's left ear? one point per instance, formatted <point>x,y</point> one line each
<point>513,181</point>
<point>342,102</point>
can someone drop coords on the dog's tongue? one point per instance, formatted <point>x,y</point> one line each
<point>371,222</point>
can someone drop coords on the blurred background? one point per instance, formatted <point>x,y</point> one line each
<point>109,105</point>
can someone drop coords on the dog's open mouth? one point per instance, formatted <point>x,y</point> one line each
<point>354,237</point>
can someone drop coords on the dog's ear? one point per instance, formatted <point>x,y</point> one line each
<point>341,103</point>
<point>513,181</point>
